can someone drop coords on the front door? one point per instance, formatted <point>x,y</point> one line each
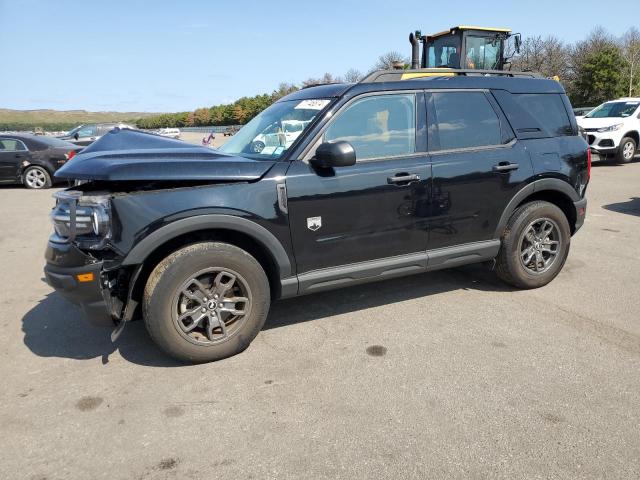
<point>478,166</point>
<point>375,209</point>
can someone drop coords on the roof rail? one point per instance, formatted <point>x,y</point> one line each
<point>396,75</point>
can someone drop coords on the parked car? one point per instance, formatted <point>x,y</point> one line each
<point>169,132</point>
<point>581,111</point>
<point>32,159</point>
<point>613,129</point>
<point>87,134</point>
<point>229,132</point>
<point>280,134</point>
<point>388,177</point>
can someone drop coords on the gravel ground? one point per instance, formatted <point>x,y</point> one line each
<point>449,374</point>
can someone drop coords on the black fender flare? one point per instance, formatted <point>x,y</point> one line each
<point>151,242</point>
<point>554,184</point>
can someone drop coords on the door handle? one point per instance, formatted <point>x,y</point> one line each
<point>505,167</point>
<point>403,178</point>
<point>18,155</point>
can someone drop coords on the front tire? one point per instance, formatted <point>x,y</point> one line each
<point>206,302</point>
<point>36,178</point>
<point>535,245</point>
<point>626,151</point>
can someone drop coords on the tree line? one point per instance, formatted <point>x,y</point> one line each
<point>598,68</point>
<point>594,70</point>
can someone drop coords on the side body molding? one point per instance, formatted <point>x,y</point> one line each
<point>539,185</point>
<point>204,222</point>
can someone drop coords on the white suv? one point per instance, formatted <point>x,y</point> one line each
<point>613,128</point>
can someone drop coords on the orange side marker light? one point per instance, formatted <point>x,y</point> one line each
<point>85,277</point>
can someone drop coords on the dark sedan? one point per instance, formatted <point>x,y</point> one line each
<point>32,159</point>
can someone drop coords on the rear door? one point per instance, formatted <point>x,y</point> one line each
<point>478,166</point>
<point>12,153</point>
<point>375,209</point>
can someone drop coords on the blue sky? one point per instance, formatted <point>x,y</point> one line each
<point>159,55</point>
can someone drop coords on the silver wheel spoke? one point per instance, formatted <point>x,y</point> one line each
<point>188,313</point>
<point>222,287</point>
<point>215,322</point>
<point>193,296</point>
<point>539,260</point>
<point>530,236</point>
<point>195,322</point>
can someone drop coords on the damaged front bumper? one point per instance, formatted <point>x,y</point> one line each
<point>78,278</point>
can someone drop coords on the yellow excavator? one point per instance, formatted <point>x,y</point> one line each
<point>464,47</point>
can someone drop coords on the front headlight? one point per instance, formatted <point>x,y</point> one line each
<point>611,128</point>
<point>84,219</point>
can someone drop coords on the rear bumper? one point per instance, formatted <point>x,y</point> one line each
<point>64,263</point>
<point>581,212</point>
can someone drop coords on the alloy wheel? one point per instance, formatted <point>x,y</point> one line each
<point>211,306</point>
<point>35,178</point>
<point>628,151</point>
<point>540,245</point>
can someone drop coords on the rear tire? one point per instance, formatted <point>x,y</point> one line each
<point>535,245</point>
<point>206,302</point>
<point>626,151</point>
<point>36,178</point>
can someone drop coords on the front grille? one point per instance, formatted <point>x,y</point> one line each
<point>591,139</point>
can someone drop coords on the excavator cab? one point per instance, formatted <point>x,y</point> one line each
<point>464,47</point>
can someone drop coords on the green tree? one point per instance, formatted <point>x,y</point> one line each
<point>599,78</point>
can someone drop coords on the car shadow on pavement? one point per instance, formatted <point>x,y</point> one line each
<point>56,328</point>
<point>631,207</point>
<point>351,299</point>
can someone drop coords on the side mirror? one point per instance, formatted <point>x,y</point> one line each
<point>76,136</point>
<point>518,42</point>
<point>334,154</point>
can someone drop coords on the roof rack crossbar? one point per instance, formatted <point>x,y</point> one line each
<point>422,73</point>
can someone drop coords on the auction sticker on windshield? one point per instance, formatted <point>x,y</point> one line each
<point>314,104</point>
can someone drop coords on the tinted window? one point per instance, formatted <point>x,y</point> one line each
<point>548,110</point>
<point>462,120</point>
<point>11,145</point>
<point>614,109</point>
<point>379,126</point>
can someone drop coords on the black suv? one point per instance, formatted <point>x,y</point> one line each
<point>404,172</point>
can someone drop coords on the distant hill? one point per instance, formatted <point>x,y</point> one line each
<point>61,119</point>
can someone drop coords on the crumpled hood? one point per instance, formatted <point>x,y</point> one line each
<point>125,155</point>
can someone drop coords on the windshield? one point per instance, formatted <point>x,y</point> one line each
<point>275,129</point>
<point>71,132</point>
<point>613,109</point>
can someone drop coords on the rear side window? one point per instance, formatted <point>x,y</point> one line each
<point>377,126</point>
<point>11,145</point>
<point>548,110</point>
<point>462,120</point>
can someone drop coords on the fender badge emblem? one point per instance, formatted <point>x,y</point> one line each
<point>314,223</point>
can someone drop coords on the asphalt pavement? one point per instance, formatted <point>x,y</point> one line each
<point>450,374</point>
